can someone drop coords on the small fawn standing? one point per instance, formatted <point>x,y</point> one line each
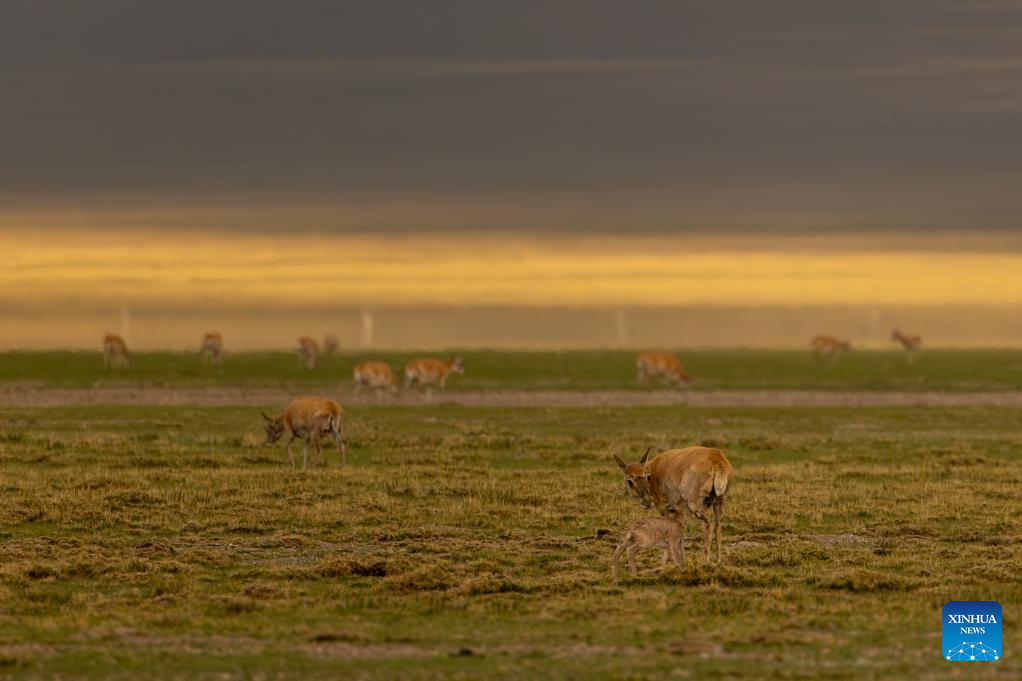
<point>115,352</point>
<point>308,352</point>
<point>649,533</point>
<point>829,347</point>
<point>912,344</point>
<point>310,418</point>
<point>430,371</point>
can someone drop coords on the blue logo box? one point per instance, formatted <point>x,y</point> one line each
<point>971,631</point>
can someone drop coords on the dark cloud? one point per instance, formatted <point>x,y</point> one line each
<point>664,114</point>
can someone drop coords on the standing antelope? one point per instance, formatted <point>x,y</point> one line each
<point>308,352</point>
<point>430,371</point>
<point>829,347</point>
<point>661,364</point>
<point>376,375</point>
<point>682,481</point>
<point>331,344</point>
<point>115,352</point>
<point>310,418</point>
<point>211,347</point>
<point>912,344</point>
<point>649,533</point>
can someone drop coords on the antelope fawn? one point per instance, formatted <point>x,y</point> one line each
<point>115,352</point>
<point>430,371</point>
<point>211,348</point>
<point>310,418</point>
<point>682,481</point>
<point>661,364</point>
<point>331,344</point>
<point>376,375</point>
<point>650,533</point>
<point>912,344</point>
<point>829,347</point>
<point>308,352</point>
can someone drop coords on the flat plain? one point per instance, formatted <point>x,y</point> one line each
<point>474,541</point>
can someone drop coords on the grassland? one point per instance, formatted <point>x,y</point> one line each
<point>158,542</point>
<point>945,370</point>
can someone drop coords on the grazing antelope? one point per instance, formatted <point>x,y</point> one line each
<point>376,375</point>
<point>308,352</point>
<point>829,347</point>
<point>310,418</point>
<point>115,352</point>
<point>430,371</point>
<point>661,364</point>
<point>211,347</point>
<point>650,533</point>
<point>912,344</point>
<point>331,344</point>
<point>682,481</point>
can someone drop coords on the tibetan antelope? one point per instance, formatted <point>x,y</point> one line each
<point>430,371</point>
<point>661,364</point>
<point>649,533</point>
<point>912,344</point>
<point>376,375</point>
<point>682,481</point>
<point>309,418</point>
<point>115,352</point>
<point>308,352</point>
<point>331,344</point>
<point>211,348</point>
<point>829,347</point>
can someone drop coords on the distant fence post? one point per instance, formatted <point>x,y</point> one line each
<point>367,328</point>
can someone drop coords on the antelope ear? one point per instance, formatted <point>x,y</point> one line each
<point>645,456</point>
<point>620,463</point>
<point>265,416</point>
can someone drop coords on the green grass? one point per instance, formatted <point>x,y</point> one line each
<point>954,370</point>
<point>163,542</point>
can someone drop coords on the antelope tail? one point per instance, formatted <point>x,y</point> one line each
<point>720,481</point>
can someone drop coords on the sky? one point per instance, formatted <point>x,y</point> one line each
<point>221,154</point>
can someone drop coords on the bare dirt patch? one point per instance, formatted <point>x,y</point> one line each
<point>30,396</point>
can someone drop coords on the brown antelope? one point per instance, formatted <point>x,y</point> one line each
<point>650,533</point>
<point>115,352</point>
<point>682,481</point>
<point>376,375</point>
<point>829,347</point>
<point>310,418</point>
<point>661,364</point>
<point>211,347</point>
<point>331,344</point>
<point>430,371</point>
<point>308,352</point>
<point>912,344</point>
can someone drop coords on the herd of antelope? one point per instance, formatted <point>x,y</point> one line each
<point>677,483</point>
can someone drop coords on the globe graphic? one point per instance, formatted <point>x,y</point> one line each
<point>974,651</point>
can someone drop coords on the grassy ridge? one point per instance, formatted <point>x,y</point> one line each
<point>167,543</point>
<point>572,370</point>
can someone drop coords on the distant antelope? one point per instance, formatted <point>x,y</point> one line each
<point>376,375</point>
<point>681,481</point>
<point>663,364</point>
<point>211,347</point>
<point>829,347</point>
<point>115,352</point>
<point>912,344</point>
<point>331,344</point>
<point>650,533</point>
<point>310,418</point>
<point>308,352</point>
<point>430,371</point>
